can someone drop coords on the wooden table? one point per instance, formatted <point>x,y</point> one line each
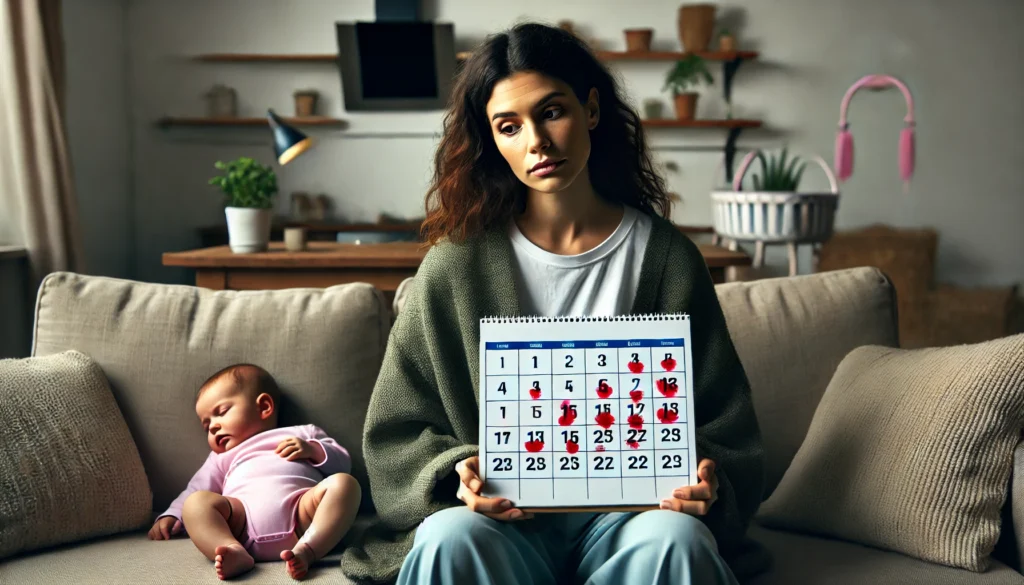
<point>325,264</point>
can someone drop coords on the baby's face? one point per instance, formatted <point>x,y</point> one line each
<point>229,414</point>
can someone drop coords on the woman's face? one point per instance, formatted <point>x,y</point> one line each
<point>541,129</point>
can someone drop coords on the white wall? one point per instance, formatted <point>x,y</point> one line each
<point>98,131</point>
<point>958,58</point>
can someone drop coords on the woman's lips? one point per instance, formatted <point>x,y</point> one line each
<point>548,169</point>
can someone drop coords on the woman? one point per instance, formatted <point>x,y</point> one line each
<point>545,201</point>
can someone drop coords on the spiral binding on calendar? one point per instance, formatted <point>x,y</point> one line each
<point>588,318</point>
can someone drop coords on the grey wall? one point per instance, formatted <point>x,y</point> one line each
<point>98,108</point>
<point>957,57</point>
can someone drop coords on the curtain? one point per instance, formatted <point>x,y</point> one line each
<point>37,199</point>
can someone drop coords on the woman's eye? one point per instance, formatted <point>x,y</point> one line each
<point>507,128</point>
<point>553,113</point>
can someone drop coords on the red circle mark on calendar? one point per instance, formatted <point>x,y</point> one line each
<point>668,364</point>
<point>635,421</point>
<point>604,390</point>
<point>636,367</point>
<point>668,389</point>
<point>632,444</point>
<point>571,447</point>
<point>604,419</point>
<point>667,416</point>
<point>568,414</point>
<point>534,446</point>
<point>535,393</point>
<point>599,448</point>
<point>636,395</point>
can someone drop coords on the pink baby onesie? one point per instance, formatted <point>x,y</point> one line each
<point>268,485</point>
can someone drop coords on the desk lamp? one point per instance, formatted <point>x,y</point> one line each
<point>288,142</point>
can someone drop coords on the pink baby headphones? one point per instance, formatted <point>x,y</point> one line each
<point>844,140</point>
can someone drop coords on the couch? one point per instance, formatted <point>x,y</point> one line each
<point>156,343</point>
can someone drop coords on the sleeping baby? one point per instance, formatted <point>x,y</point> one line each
<point>264,493</point>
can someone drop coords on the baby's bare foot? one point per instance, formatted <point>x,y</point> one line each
<point>299,559</point>
<point>231,560</point>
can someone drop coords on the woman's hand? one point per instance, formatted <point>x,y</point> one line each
<point>469,492</point>
<point>695,500</point>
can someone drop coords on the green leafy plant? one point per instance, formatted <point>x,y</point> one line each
<point>688,72</point>
<point>724,33</point>
<point>776,175</point>
<point>247,183</point>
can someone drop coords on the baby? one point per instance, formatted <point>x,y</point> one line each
<point>264,493</point>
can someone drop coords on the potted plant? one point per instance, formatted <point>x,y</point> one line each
<point>688,72</point>
<point>639,39</point>
<point>250,188</point>
<point>775,211</point>
<point>305,102</point>
<point>726,41</point>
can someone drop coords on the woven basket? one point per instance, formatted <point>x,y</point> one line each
<point>774,217</point>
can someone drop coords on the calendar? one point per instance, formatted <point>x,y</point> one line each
<point>586,412</point>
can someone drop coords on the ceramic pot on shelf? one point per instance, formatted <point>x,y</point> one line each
<point>696,23</point>
<point>686,105</point>
<point>638,40</point>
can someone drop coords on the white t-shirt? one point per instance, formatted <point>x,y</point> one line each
<point>601,281</point>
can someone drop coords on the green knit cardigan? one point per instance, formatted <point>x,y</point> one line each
<point>423,414</point>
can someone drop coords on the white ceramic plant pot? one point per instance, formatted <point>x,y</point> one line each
<point>248,229</point>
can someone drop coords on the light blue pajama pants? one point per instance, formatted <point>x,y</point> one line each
<point>457,546</point>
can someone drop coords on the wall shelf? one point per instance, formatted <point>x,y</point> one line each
<point>265,58</point>
<point>463,55</point>
<point>702,123</point>
<point>674,55</point>
<point>296,121</point>
<point>730,60</point>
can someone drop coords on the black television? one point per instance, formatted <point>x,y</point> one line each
<point>390,66</point>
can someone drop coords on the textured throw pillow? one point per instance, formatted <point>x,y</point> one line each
<point>69,469</point>
<point>910,451</point>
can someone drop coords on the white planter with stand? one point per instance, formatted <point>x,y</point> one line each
<point>248,229</point>
<point>774,217</point>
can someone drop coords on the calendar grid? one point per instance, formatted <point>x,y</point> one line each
<point>613,397</point>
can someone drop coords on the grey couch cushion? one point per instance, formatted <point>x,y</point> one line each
<point>68,467</point>
<point>133,559</point>
<point>808,560</point>
<point>791,334</point>
<point>158,343</point>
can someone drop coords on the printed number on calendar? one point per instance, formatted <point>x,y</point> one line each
<point>671,461</point>
<point>570,463</point>
<point>638,435</point>
<point>502,464</point>
<point>638,461</point>
<point>671,435</point>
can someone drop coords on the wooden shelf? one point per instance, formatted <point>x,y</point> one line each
<point>266,58</point>
<point>463,55</point>
<point>674,56</point>
<point>295,121</point>
<point>698,123</point>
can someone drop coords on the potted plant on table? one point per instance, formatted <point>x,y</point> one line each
<point>250,188</point>
<point>688,72</point>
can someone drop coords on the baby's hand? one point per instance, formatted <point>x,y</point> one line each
<point>294,448</point>
<point>164,528</point>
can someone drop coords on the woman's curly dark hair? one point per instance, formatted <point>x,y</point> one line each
<point>473,189</point>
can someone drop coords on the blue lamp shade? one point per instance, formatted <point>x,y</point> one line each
<point>288,142</point>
